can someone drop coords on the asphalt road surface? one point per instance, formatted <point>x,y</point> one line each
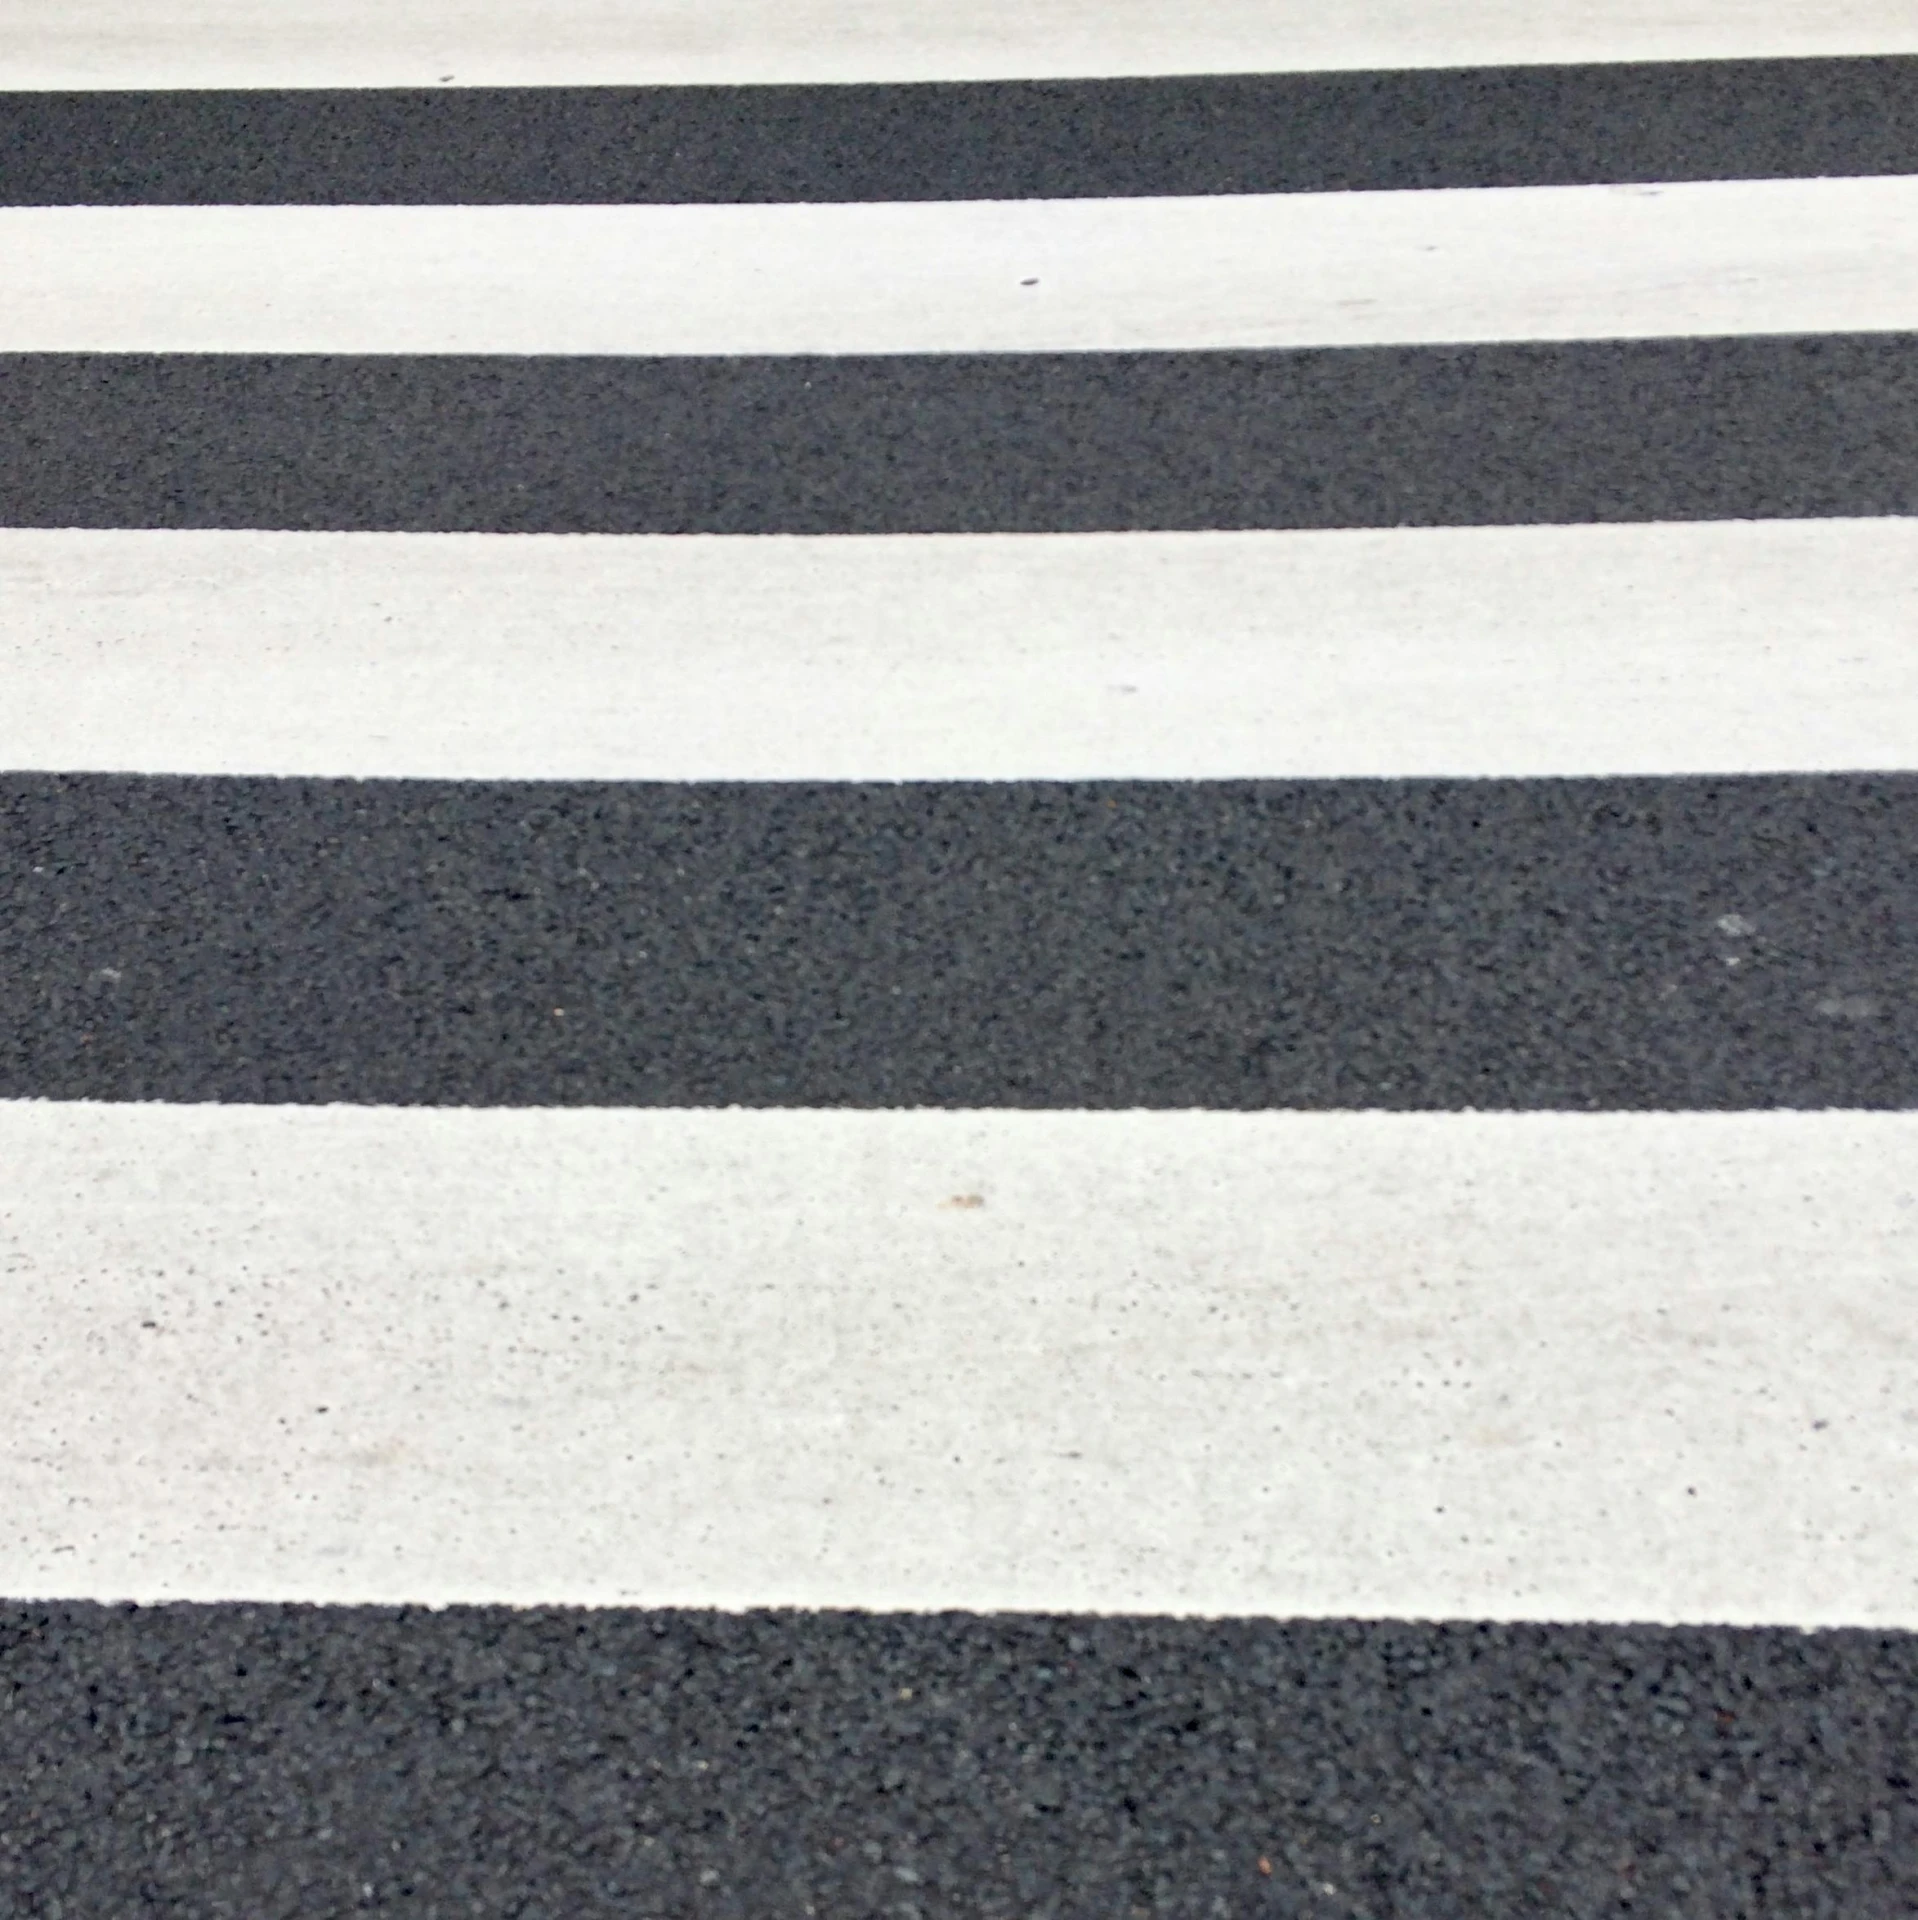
<point>958,961</point>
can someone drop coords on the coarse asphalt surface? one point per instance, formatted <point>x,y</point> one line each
<point>254,1761</point>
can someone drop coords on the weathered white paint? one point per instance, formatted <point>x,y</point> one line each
<point>280,43</point>
<point>1777,646</point>
<point>1270,270</point>
<point>1538,1366</point>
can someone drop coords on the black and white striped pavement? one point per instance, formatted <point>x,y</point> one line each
<point>959,960</point>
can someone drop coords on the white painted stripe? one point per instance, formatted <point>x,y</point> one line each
<point>1268,270</point>
<point>1531,1366</point>
<point>348,43</point>
<point>1778,646</point>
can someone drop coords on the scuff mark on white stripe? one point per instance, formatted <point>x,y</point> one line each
<point>1270,270</point>
<point>1600,1367</point>
<point>1711,647</point>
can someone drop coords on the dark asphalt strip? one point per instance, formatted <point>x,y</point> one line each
<point>260,1762</point>
<point>1692,429</point>
<point>997,140</point>
<point>1535,944</point>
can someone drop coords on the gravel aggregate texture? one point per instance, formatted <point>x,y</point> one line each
<point>979,140</point>
<point>1576,944</point>
<point>1759,427</point>
<point>258,1762</point>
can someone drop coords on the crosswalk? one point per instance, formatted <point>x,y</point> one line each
<point>959,959</point>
